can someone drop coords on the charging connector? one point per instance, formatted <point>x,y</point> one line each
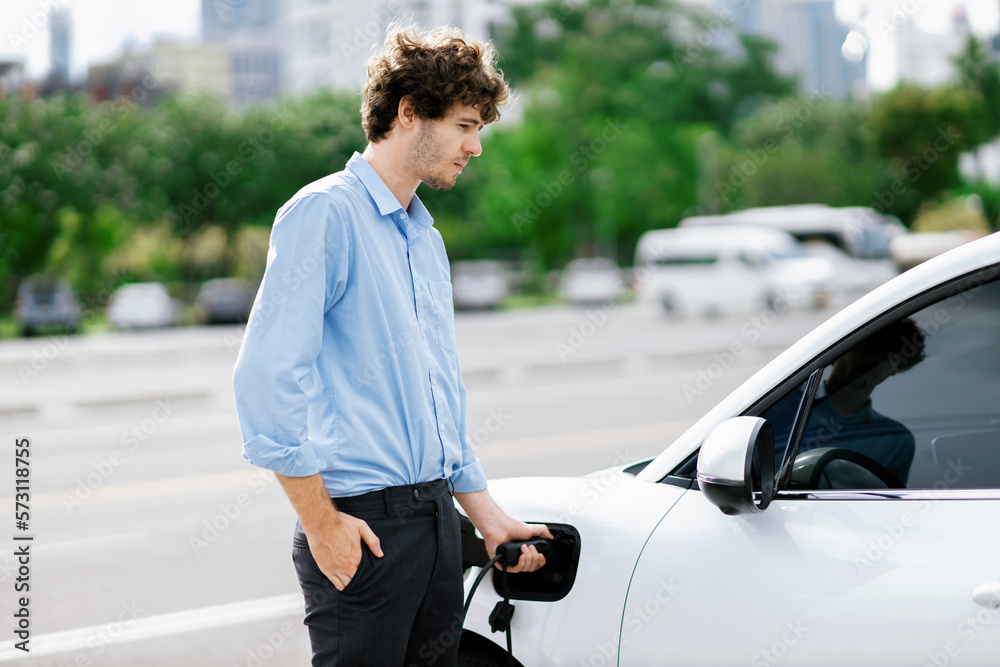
<point>507,555</point>
<point>510,552</point>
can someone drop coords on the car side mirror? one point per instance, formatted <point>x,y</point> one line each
<point>736,465</point>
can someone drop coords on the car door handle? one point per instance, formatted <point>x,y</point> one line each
<point>988,595</point>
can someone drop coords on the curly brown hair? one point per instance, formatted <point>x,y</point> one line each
<point>436,70</point>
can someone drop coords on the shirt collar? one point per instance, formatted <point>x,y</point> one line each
<point>385,201</point>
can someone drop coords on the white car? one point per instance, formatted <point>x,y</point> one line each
<point>591,280</point>
<point>728,269</point>
<point>841,507</point>
<point>479,284</point>
<point>860,231</point>
<point>854,277</point>
<point>142,306</point>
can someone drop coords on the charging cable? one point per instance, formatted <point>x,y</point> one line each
<point>507,554</point>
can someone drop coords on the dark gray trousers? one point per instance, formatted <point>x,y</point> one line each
<point>404,609</point>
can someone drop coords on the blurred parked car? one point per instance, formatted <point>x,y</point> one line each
<point>908,250</point>
<point>854,277</point>
<point>726,269</point>
<point>854,239</point>
<point>45,302</point>
<point>224,301</point>
<point>859,231</point>
<point>479,284</point>
<point>591,280</point>
<point>142,306</point>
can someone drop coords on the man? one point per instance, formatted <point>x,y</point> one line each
<point>842,414</point>
<point>348,385</point>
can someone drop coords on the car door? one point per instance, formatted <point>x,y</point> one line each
<point>882,545</point>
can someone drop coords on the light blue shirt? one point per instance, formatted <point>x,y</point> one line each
<point>348,365</point>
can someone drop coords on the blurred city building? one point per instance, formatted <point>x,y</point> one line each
<point>60,27</point>
<point>295,46</point>
<point>168,66</point>
<point>925,58</point>
<point>813,44</point>
<point>250,32</point>
<point>330,40</point>
<point>271,47</point>
<point>11,75</point>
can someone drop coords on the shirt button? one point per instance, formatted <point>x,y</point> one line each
<point>416,494</point>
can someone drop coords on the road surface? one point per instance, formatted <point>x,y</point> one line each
<point>155,543</point>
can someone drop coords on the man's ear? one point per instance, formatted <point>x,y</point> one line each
<point>406,113</point>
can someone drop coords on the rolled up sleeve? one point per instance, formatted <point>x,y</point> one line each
<point>307,267</point>
<point>469,478</point>
<point>291,461</point>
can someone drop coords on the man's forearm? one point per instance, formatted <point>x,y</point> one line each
<point>483,511</point>
<point>310,499</point>
<point>497,527</point>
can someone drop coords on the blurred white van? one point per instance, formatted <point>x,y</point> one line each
<point>859,231</point>
<point>856,240</point>
<point>717,270</point>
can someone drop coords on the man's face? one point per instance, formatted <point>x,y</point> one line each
<point>442,147</point>
<point>859,372</point>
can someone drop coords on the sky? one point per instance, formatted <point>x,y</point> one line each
<point>101,27</point>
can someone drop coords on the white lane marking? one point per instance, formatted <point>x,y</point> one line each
<point>164,625</point>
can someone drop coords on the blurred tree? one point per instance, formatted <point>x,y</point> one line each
<point>206,254</point>
<point>807,150</point>
<point>152,253</point>
<point>989,195</point>
<point>892,156</point>
<point>63,169</point>
<point>229,168</point>
<point>979,72</point>
<point>83,243</point>
<point>630,115</point>
<point>613,98</point>
<point>78,178</point>
<point>963,213</point>
<point>925,130</point>
<point>250,253</point>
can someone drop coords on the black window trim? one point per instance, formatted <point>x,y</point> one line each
<point>959,284</point>
<point>798,427</point>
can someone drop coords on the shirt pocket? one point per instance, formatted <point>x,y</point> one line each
<point>444,313</point>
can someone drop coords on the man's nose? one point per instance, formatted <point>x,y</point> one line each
<point>473,146</point>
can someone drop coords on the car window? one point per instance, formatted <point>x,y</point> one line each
<point>685,260</point>
<point>915,404</point>
<point>782,417</point>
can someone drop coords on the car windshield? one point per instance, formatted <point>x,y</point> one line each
<point>684,260</point>
<point>790,251</point>
<point>43,297</point>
